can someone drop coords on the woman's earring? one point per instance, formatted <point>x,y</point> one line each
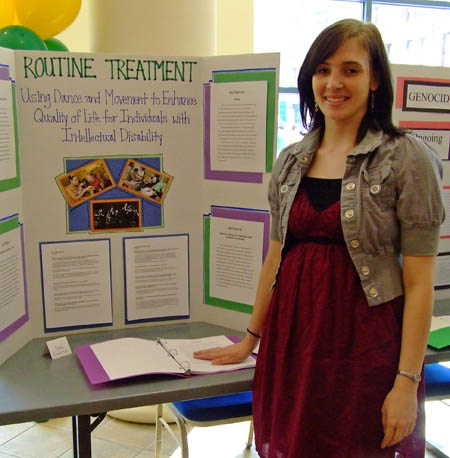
<point>372,102</point>
<point>316,107</point>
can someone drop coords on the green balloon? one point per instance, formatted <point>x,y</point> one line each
<point>18,37</point>
<point>53,44</point>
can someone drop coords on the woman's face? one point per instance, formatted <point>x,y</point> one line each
<point>341,84</point>
<point>74,180</point>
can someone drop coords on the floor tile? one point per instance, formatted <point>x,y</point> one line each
<point>107,449</point>
<point>103,423</point>
<point>169,445</point>
<point>148,454</point>
<point>38,442</point>
<point>136,435</point>
<point>10,431</point>
<point>68,454</point>
<point>222,441</point>
<point>60,423</point>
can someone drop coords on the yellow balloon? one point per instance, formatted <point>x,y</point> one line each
<point>47,18</point>
<point>7,10</point>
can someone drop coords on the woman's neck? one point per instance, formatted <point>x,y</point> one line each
<point>339,138</point>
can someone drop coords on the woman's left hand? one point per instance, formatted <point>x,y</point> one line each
<point>399,413</point>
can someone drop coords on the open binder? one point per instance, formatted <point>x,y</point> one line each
<point>130,356</point>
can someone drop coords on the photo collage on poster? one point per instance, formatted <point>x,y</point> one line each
<point>114,194</point>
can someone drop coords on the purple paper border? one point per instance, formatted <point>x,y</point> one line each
<point>13,327</point>
<point>4,73</point>
<point>91,365</point>
<point>246,177</point>
<point>259,216</point>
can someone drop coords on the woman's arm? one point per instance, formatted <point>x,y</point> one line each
<point>400,406</point>
<point>238,352</point>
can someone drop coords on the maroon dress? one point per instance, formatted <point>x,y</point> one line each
<point>327,360</point>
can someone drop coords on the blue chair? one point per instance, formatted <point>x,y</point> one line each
<point>217,410</point>
<point>437,381</point>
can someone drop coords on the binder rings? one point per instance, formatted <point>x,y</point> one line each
<point>130,357</point>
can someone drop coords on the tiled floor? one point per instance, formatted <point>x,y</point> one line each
<point>119,439</point>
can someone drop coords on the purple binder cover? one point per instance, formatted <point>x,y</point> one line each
<point>91,365</point>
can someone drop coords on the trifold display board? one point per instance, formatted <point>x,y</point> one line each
<point>108,166</point>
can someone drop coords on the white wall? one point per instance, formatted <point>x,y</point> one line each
<point>232,26</point>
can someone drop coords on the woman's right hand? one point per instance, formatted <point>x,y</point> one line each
<point>230,354</point>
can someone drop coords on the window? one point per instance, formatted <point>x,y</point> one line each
<point>290,26</point>
<point>414,35</point>
<point>416,32</point>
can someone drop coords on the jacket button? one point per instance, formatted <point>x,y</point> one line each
<point>373,292</point>
<point>284,188</point>
<point>350,186</point>
<point>375,189</point>
<point>349,214</point>
<point>304,159</point>
<point>365,270</point>
<point>354,243</point>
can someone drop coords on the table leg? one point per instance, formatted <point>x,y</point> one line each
<point>158,431</point>
<point>81,431</point>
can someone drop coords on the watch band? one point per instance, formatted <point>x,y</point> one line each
<point>412,375</point>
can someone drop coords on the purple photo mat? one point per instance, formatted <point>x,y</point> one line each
<point>91,365</point>
<point>13,327</point>
<point>247,215</point>
<point>247,177</point>
<point>4,73</point>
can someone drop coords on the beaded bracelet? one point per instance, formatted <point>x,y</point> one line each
<point>253,334</point>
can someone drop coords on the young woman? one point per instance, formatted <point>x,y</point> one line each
<point>356,208</point>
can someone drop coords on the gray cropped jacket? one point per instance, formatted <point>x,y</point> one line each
<point>391,204</point>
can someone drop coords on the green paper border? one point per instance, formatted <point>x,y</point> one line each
<point>258,75</point>
<point>11,183</point>
<point>208,299</point>
<point>9,225</point>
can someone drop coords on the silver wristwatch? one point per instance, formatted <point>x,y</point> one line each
<point>412,375</point>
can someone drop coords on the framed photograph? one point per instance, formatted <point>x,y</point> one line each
<point>116,215</point>
<point>79,185</point>
<point>144,181</point>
